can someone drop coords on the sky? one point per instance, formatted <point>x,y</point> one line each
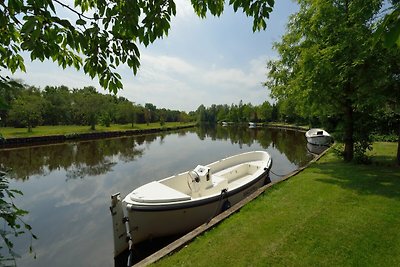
<point>216,60</point>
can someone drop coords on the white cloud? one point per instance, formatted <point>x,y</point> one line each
<point>184,9</point>
<point>166,64</point>
<point>175,83</point>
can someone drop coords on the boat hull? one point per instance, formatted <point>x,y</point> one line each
<point>159,221</point>
<point>150,218</point>
<point>318,137</point>
<point>319,140</point>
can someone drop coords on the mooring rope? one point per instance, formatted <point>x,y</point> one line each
<point>219,206</point>
<point>280,175</point>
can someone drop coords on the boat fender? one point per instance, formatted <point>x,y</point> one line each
<point>226,205</point>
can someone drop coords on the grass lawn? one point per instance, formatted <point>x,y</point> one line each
<point>9,132</point>
<point>331,214</point>
<point>282,124</point>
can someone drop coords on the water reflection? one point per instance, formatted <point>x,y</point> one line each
<point>67,186</point>
<point>78,159</point>
<point>290,143</point>
<point>316,149</point>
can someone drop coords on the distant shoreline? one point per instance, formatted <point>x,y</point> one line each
<point>14,142</point>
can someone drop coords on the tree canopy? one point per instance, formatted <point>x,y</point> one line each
<point>328,66</point>
<point>97,35</point>
<point>389,28</point>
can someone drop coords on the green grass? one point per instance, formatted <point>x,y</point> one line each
<point>331,214</point>
<point>283,124</point>
<point>9,132</point>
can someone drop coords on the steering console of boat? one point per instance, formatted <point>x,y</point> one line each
<point>194,176</point>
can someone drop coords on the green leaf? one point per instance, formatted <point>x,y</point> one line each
<point>392,37</point>
<point>29,25</point>
<point>80,22</point>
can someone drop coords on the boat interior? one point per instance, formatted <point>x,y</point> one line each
<point>198,183</point>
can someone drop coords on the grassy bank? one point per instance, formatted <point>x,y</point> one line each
<point>9,132</point>
<point>288,125</point>
<point>331,214</point>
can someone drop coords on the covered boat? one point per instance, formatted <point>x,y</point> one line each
<point>180,203</point>
<point>252,125</point>
<point>317,136</point>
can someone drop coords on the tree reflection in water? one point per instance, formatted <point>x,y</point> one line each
<point>96,157</point>
<point>288,142</point>
<point>79,159</point>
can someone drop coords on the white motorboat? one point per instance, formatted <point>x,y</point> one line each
<point>252,125</point>
<point>180,203</point>
<point>317,136</point>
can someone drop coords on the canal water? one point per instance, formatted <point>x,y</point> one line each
<point>67,187</point>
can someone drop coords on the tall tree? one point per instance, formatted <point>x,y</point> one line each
<point>326,64</point>
<point>57,108</point>
<point>88,104</point>
<point>97,35</point>
<point>8,93</point>
<point>27,109</point>
<point>126,112</point>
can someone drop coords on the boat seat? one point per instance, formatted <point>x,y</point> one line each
<point>156,192</point>
<point>218,181</point>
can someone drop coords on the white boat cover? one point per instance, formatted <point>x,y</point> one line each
<point>156,192</point>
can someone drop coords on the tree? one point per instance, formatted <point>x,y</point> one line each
<point>8,93</point>
<point>326,64</point>
<point>108,109</point>
<point>57,108</point>
<point>101,34</point>
<point>265,112</point>
<point>201,114</point>
<point>26,110</point>
<point>126,112</point>
<point>88,105</point>
<point>150,113</point>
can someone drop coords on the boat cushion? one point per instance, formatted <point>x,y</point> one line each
<point>156,192</point>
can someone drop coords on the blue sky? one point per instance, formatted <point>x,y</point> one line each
<point>201,61</point>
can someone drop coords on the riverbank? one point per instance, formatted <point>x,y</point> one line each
<point>332,213</point>
<point>50,134</point>
<point>287,126</point>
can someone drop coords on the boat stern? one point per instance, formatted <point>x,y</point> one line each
<point>119,228</point>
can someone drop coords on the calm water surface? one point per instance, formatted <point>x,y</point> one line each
<point>67,186</point>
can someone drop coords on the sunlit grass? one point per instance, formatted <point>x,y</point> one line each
<point>9,132</point>
<point>282,124</point>
<point>331,214</point>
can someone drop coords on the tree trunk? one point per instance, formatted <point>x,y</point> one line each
<point>348,133</point>
<point>398,147</point>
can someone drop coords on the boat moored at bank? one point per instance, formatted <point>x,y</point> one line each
<point>317,136</point>
<point>180,203</point>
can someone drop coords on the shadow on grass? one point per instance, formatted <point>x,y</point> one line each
<point>364,179</point>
